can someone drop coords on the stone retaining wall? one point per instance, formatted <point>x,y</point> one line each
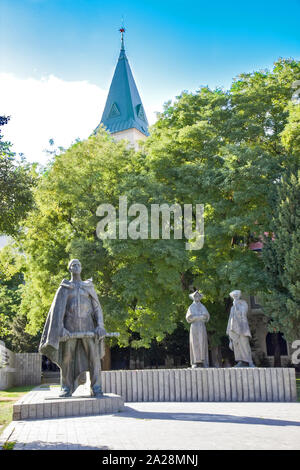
<point>19,368</point>
<point>222,384</point>
<point>28,368</point>
<point>7,367</point>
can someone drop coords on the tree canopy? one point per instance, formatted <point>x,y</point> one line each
<point>223,149</point>
<point>16,181</point>
<point>281,254</point>
<point>282,258</point>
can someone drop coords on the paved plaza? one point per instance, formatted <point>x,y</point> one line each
<point>163,426</point>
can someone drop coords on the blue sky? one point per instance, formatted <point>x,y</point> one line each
<point>171,45</point>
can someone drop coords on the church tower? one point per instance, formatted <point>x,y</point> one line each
<point>124,116</point>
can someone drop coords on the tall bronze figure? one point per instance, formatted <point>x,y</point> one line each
<point>239,332</point>
<point>197,315</point>
<point>73,336</point>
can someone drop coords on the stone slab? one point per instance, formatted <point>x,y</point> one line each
<point>43,403</point>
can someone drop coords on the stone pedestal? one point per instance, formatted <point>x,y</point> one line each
<point>212,384</point>
<point>43,402</point>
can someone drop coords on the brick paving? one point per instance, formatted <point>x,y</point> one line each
<point>168,425</point>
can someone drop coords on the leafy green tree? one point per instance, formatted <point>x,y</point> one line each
<point>20,340</point>
<point>138,281</point>
<point>16,181</point>
<point>224,149</point>
<point>220,149</point>
<point>281,255</point>
<point>11,279</point>
<point>291,133</point>
<point>282,247</point>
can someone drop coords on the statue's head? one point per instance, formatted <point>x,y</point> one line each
<point>235,294</point>
<point>74,266</point>
<point>196,296</point>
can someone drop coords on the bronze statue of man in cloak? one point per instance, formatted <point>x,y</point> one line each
<point>239,332</point>
<point>73,336</point>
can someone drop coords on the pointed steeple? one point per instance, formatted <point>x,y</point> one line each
<point>124,109</point>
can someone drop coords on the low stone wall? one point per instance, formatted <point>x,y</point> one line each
<point>28,368</point>
<point>17,369</point>
<point>7,367</point>
<point>222,384</point>
<point>6,378</point>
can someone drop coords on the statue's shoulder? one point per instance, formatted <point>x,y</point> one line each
<point>241,305</point>
<point>89,286</point>
<point>191,307</point>
<point>204,308</point>
<point>70,285</point>
<point>66,283</point>
<point>88,283</point>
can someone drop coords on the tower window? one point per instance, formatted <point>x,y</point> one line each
<point>140,112</point>
<point>114,111</point>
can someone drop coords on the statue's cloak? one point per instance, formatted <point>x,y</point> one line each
<point>238,322</point>
<point>239,332</point>
<point>197,315</point>
<point>50,345</point>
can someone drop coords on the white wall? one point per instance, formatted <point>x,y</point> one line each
<point>132,135</point>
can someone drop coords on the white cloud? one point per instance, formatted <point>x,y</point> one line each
<point>50,108</point>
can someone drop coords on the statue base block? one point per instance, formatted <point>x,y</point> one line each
<point>43,402</point>
<point>212,384</point>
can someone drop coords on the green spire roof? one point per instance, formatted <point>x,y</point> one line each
<point>124,108</point>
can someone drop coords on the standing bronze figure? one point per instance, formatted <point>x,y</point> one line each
<point>73,336</point>
<point>197,315</point>
<point>239,332</point>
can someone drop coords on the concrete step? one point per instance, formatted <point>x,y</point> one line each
<point>43,402</point>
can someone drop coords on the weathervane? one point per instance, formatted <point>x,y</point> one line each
<point>122,31</point>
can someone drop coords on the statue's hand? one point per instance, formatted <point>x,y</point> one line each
<point>65,333</point>
<point>197,318</point>
<point>204,318</point>
<point>100,332</point>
